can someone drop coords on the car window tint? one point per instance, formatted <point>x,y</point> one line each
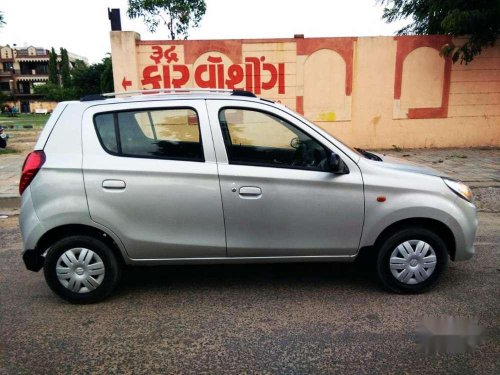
<point>159,133</point>
<point>106,129</point>
<point>254,137</point>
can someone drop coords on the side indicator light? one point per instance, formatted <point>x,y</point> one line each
<point>381,199</point>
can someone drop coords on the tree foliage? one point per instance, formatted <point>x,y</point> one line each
<point>107,83</point>
<point>85,80</point>
<point>64,69</point>
<point>2,19</point>
<point>477,20</point>
<point>53,68</point>
<point>177,15</point>
<point>52,91</point>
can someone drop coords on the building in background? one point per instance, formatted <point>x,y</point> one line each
<point>21,69</point>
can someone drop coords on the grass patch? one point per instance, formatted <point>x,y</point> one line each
<point>23,119</point>
<point>5,151</point>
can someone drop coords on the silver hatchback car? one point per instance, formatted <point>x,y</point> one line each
<point>225,177</point>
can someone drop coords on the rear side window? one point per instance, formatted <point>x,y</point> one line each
<point>156,133</point>
<point>106,130</point>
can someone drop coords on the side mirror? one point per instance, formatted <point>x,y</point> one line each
<point>337,165</point>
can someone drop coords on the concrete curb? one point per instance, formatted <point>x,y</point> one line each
<point>10,202</point>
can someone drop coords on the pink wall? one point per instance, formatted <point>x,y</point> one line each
<point>371,92</point>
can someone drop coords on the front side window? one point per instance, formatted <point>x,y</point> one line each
<point>258,138</point>
<point>157,133</point>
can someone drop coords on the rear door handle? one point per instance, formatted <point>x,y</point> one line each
<point>114,184</point>
<point>250,191</point>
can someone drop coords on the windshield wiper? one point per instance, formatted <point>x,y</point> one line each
<point>368,155</point>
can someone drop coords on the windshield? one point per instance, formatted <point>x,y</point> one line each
<point>355,150</point>
<point>358,151</point>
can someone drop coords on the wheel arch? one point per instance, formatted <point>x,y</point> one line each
<point>438,227</point>
<point>55,234</point>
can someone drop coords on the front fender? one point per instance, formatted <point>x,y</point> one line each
<point>410,206</point>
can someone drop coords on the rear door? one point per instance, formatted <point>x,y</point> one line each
<point>151,177</point>
<point>279,198</point>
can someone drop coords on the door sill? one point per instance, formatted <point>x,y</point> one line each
<point>229,260</point>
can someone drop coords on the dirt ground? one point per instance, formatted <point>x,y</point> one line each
<point>22,141</point>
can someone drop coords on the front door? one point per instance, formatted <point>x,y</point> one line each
<point>279,198</point>
<point>151,178</point>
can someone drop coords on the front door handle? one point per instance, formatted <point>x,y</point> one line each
<point>250,191</point>
<point>114,184</point>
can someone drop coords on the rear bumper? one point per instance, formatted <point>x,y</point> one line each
<point>33,260</point>
<point>31,231</point>
<point>29,224</point>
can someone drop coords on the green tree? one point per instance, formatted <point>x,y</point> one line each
<point>85,80</point>
<point>52,91</point>
<point>2,19</point>
<point>93,79</point>
<point>107,83</point>
<point>64,68</point>
<point>477,20</point>
<point>177,15</point>
<point>53,69</point>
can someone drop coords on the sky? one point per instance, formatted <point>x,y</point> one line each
<point>82,26</point>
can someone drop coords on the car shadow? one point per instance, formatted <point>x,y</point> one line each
<point>256,276</point>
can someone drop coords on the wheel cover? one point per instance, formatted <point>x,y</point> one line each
<point>413,262</point>
<point>80,270</point>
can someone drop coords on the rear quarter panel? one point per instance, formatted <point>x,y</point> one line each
<point>49,126</point>
<point>57,191</point>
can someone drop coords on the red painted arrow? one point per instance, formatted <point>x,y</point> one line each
<point>126,83</point>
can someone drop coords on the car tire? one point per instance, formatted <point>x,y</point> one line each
<point>411,260</point>
<point>81,269</point>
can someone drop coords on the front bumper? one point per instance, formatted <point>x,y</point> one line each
<point>466,234</point>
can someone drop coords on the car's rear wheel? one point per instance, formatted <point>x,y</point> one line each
<point>81,269</point>
<point>411,260</point>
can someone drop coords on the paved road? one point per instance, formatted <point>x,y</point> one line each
<point>269,319</point>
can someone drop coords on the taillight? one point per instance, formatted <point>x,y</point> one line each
<point>31,166</point>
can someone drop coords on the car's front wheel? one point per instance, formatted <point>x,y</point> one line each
<point>411,260</point>
<point>81,269</point>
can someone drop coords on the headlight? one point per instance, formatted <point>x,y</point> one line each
<point>459,188</point>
